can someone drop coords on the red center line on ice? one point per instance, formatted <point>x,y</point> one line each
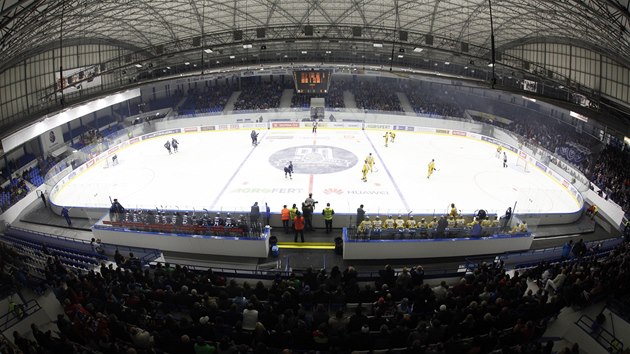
<point>310,178</point>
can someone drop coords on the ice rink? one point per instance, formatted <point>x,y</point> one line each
<point>221,170</point>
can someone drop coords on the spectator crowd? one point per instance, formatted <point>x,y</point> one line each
<point>125,308</point>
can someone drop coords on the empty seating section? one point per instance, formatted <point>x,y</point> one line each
<point>76,255</point>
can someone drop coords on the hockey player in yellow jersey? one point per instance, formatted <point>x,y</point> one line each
<point>389,223</point>
<point>431,168</point>
<point>400,222</point>
<point>364,171</point>
<point>486,222</point>
<point>411,226</point>
<point>392,136</point>
<point>386,136</point>
<point>460,221</point>
<point>453,211</point>
<point>523,227</point>
<point>370,162</point>
<point>451,222</point>
<point>433,223</point>
<point>422,224</point>
<point>499,150</point>
<point>365,228</point>
<point>377,225</point>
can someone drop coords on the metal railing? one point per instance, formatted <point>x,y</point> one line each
<point>17,314</point>
<point>601,335</point>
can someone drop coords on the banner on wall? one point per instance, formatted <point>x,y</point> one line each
<point>51,140</point>
<point>76,79</point>
<point>574,153</point>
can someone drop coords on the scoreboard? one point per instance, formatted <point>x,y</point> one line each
<point>311,81</point>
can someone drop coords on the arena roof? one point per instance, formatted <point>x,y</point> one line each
<point>162,27</point>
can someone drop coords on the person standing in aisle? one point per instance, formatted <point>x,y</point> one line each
<point>66,215</point>
<point>298,226</point>
<point>328,213</point>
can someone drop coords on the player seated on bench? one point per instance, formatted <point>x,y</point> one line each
<point>365,228</point>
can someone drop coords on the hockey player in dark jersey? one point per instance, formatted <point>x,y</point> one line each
<point>174,144</point>
<point>254,137</point>
<point>167,145</point>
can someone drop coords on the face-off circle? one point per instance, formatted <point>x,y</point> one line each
<point>314,159</point>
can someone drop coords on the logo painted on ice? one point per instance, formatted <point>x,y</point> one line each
<point>333,191</point>
<point>314,159</point>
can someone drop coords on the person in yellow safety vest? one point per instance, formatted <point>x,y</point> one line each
<point>328,213</point>
<point>284,216</point>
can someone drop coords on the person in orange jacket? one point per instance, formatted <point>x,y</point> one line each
<point>284,216</point>
<point>298,226</point>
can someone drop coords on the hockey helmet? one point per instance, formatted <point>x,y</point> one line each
<point>378,217</point>
<point>410,216</point>
<point>367,217</point>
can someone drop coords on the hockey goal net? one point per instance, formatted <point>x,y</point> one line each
<point>521,162</point>
<point>111,160</point>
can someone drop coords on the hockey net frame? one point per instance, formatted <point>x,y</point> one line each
<point>109,162</point>
<point>521,161</point>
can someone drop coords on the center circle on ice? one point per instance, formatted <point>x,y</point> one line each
<point>314,159</point>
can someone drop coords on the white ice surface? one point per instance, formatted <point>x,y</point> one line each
<point>222,171</point>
